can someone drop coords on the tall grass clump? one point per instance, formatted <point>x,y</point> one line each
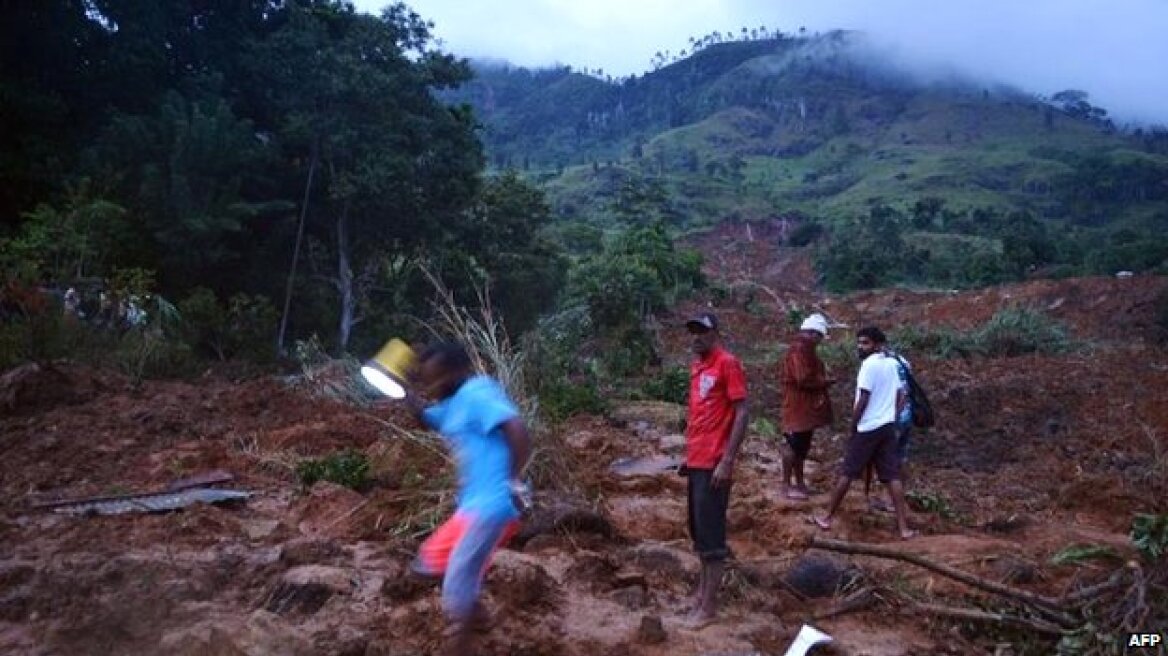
<point>492,351</point>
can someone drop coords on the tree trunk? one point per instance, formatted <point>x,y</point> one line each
<point>296,252</point>
<point>345,281</point>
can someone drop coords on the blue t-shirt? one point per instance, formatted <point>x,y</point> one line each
<point>471,422</point>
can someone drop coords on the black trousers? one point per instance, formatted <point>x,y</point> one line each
<point>707,515</point>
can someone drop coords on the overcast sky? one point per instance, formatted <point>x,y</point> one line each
<point>1116,50</point>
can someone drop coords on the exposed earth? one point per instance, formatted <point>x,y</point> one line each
<point>1032,454</point>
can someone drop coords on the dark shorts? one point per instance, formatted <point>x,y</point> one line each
<point>877,448</point>
<point>707,515</point>
<point>800,443</point>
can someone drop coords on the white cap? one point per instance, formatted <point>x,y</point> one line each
<point>815,322</point>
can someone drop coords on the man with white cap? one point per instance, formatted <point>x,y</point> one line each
<point>806,403</point>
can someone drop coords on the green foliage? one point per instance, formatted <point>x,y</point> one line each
<point>671,384</point>
<point>563,399</point>
<point>1018,331</point>
<point>349,468</point>
<point>764,427</point>
<point>1009,332</point>
<point>1149,534</point>
<point>1078,553</point>
<point>68,243</point>
<point>243,327</point>
<point>930,502</point>
<point>143,354</point>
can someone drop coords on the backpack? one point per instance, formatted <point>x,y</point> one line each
<point>923,415</point>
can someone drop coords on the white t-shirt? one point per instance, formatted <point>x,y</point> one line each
<point>879,376</point>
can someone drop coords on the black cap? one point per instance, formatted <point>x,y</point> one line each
<point>706,320</point>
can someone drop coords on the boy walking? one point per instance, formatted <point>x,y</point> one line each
<point>491,446</point>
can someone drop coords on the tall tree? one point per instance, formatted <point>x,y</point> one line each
<point>397,166</point>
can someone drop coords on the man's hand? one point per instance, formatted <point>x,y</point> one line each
<point>723,473</point>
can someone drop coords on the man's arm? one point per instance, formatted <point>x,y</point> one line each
<point>519,442</point>
<point>858,410</point>
<point>725,469</point>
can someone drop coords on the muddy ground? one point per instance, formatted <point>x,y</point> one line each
<point>1032,454</point>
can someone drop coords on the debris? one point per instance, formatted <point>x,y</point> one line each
<point>203,479</point>
<point>645,466</point>
<point>148,502</point>
<point>807,638</point>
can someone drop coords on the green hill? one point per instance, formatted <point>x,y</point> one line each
<point>816,130</point>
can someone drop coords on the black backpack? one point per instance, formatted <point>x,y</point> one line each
<point>923,415</point>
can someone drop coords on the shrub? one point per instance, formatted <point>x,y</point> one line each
<point>563,399</point>
<point>1149,534</point>
<point>671,385</point>
<point>349,468</point>
<point>243,327</point>
<point>1017,331</point>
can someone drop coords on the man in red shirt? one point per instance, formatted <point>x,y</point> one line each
<point>715,427</point>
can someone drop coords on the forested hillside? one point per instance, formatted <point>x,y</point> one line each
<point>978,183</point>
<point>255,163</point>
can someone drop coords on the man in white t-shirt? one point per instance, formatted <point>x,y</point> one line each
<point>879,398</point>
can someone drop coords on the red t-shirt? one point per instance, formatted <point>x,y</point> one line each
<point>716,382</point>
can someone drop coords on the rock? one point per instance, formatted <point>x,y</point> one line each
<point>632,598</point>
<point>673,443</point>
<point>305,589</point>
<point>563,517</point>
<point>583,441</point>
<point>519,582</point>
<point>306,551</point>
<point>260,633</point>
<point>651,631</point>
<point>645,466</point>
<point>258,529</point>
<point>401,584</point>
<point>816,575</point>
<point>32,387</point>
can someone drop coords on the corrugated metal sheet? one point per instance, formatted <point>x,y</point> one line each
<point>160,502</point>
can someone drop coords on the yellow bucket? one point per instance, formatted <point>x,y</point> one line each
<point>388,371</point>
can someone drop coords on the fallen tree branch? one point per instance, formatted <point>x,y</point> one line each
<point>1090,592</point>
<point>983,616</point>
<point>1051,607</point>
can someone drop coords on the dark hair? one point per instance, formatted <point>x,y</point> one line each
<point>451,355</point>
<point>873,333</point>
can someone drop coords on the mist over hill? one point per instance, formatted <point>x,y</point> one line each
<point>823,129</point>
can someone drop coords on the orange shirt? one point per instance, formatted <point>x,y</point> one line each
<point>716,383</point>
<point>806,404</point>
